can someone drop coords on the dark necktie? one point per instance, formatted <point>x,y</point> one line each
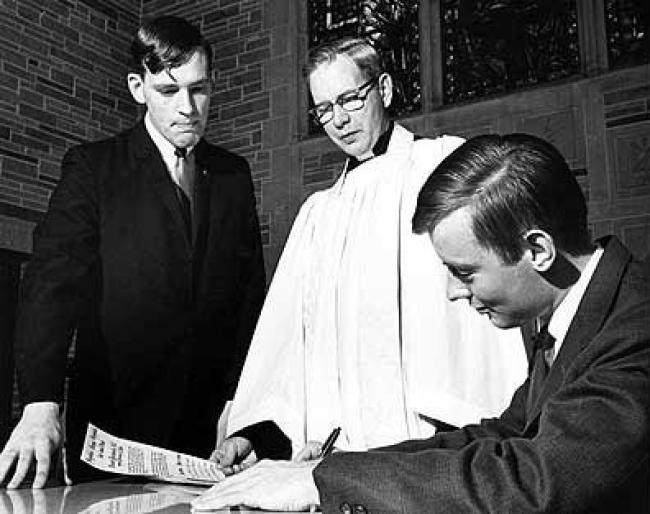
<point>184,171</point>
<point>542,343</point>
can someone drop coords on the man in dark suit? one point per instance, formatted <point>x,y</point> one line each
<point>151,250</point>
<point>509,221</point>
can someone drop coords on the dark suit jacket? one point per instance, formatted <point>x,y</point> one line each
<point>163,318</point>
<point>582,447</point>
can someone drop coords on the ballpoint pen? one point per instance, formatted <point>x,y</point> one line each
<point>328,445</point>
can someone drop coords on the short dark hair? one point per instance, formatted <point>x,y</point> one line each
<point>166,42</point>
<point>512,184</point>
<point>364,55</point>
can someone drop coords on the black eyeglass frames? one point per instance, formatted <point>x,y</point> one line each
<point>350,101</point>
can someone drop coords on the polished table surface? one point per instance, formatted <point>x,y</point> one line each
<point>104,497</point>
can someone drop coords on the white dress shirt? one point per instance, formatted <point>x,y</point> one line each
<point>166,149</point>
<point>563,315</point>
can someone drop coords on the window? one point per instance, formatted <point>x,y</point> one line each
<point>627,24</point>
<point>497,46</point>
<point>443,52</point>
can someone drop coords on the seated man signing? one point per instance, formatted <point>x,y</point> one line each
<point>509,221</point>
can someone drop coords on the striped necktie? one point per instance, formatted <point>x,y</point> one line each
<point>184,174</point>
<point>184,171</point>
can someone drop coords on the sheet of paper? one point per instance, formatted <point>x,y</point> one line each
<point>115,455</point>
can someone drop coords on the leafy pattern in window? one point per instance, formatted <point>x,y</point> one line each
<point>497,46</point>
<point>628,25</point>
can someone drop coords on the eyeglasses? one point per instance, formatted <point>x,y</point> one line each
<point>350,101</point>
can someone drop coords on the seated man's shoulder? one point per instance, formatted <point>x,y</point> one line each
<point>638,276</point>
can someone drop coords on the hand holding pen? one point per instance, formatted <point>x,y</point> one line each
<point>316,450</point>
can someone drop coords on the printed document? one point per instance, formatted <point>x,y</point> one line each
<point>115,455</point>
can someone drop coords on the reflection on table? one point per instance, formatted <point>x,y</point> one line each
<point>116,496</point>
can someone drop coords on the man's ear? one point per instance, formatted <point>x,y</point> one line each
<point>385,85</point>
<point>136,86</point>
<point>539,249</point>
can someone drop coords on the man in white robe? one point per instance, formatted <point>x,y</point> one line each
<point>345,336</point>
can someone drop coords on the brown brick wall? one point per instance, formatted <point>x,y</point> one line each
<point>62,68</point>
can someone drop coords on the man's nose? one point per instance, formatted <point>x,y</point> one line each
<point>185,103</point>
<point>341,116</point>
<point>456,289</point>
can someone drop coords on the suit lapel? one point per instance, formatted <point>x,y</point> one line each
<point>588,320</point>
<point>153,167</point>
<point>202,186</point>
<point>214,193</point>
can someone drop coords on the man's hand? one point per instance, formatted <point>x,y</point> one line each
<point>36,437</point>
<point>268,485</point>
<point>312,450</point>
<point>234,454</point>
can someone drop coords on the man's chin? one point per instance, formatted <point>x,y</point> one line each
<point>186,139</point>
<point>500,322</point>
<point>353,149</point>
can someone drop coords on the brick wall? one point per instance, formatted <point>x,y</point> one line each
<point>62,69</point>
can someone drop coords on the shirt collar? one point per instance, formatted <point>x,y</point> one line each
<point>165,148</point>
<point>563,315</point>
<point>379,149</point>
